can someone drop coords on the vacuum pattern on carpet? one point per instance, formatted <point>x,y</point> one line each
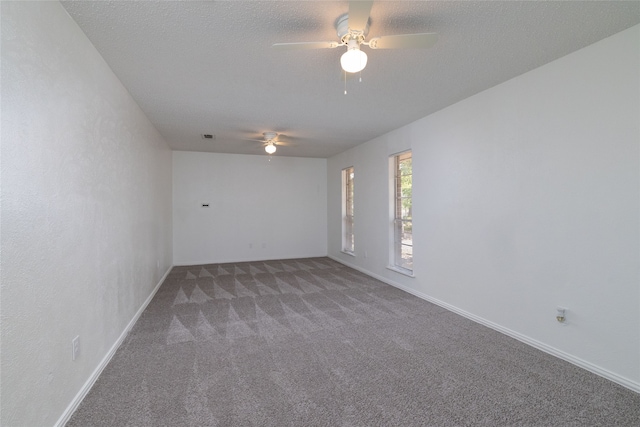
<point>310,342</point>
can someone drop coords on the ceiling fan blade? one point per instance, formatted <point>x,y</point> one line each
<point>305,45</point>
<point>359,11</point>
<point>280,141</point>
<point>285,144</point>
<point>421,40</point>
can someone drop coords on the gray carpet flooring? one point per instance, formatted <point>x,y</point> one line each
<point>310,342</point>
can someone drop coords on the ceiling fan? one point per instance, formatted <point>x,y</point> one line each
<point>270,141</point>
<point>353,28</point>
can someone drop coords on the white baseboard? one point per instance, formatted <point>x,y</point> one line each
<point>66,415</point>
<point>235,260</point>
<point>611,376</point>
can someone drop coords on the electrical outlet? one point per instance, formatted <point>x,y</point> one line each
<point>75,348</point>
<point>561,314</point>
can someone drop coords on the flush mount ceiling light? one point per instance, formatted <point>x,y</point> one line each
<point>270,148</point>
<point>353,60</point>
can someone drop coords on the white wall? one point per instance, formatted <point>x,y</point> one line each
<point>86,210</point>
<point>259,209</point>
<point>526,197</point>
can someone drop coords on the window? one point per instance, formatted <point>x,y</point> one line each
<point>348,241</point>
<point>402,254</point>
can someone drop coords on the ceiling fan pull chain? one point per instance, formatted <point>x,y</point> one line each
<point>345,82</point>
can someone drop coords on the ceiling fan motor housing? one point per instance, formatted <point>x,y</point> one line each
<point>345,33</point>
<point>270,136</point>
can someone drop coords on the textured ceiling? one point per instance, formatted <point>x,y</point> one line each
<point>198,67</point>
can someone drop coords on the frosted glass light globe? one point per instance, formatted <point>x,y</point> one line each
<point>270,148</point>
<point>353,60</point>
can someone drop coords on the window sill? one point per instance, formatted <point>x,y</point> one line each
<point>402,271</point>
<point>349,253</point>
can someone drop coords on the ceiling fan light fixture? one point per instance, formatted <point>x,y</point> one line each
<point>270,148</point>
<point>353,60</point>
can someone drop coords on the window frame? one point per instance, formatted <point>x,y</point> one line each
<point>401,217</point>
<point>348,231</point>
